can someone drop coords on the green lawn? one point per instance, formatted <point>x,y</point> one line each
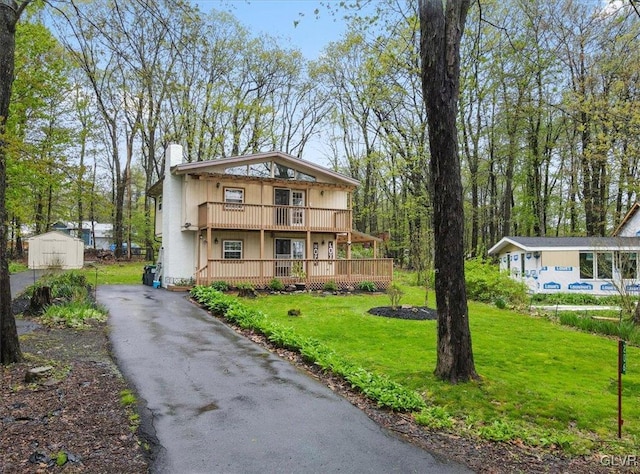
<point>536,376</point>
<point>129,273</point>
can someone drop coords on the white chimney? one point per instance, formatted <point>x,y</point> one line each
<point>178,246</point>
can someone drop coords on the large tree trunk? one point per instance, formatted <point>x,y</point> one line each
<point>9,343</point>
<point>441,32</point>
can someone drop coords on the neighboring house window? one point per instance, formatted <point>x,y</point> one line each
<point>605,265</point>
<point>628,265</point>
<point>159,203</point>
<point>234,197</point>
<point>232,249</point>
<point>586,265</point>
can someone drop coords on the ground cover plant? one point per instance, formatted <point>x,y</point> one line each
<point>542,384</point>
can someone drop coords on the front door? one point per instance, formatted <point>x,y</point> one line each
<point>289,207</point>
<point>281,199</point>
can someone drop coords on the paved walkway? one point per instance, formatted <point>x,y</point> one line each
<point>219,403</point>
<point>20,281</point>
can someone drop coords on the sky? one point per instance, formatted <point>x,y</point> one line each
<point>278,18</point>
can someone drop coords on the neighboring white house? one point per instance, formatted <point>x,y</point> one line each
<point>94,234</point>
<point>595,265</point>
<point>55,250</point>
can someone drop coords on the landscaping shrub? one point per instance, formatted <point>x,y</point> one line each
<point>220,286</point>
<point>395,294</point>
<point>330,286</point>
<point>276,285</point>
<point>486,283</point>
<point>367,286</point>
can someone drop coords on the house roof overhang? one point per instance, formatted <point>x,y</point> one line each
<point>215,168</point>
<point>532,244</point>
<point>357,238</point>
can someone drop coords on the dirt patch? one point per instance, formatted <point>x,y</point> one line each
<point>72,420</point>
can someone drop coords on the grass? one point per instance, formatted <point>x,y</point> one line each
<point>16,267</point>
<point>129,273</point>
<point>542,383</point>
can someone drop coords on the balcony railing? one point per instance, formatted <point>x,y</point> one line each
<point>310,273</point>
<point>222,215</point>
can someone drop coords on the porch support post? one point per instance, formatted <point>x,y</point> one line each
<point>262,252</point>
<point>306,257</point>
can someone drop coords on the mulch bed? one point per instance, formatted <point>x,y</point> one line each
<point>72,419</point>
<point>418,313</point>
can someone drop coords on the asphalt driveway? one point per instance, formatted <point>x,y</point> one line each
<point>218,403</point>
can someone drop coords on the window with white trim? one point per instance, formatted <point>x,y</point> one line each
<point>232,249</point>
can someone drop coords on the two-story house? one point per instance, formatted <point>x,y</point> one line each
<point>253,218</point>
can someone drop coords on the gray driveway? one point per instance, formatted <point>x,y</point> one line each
<point>219,403</point>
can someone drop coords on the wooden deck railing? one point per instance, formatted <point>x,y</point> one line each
<point>269,217</point>
<point>313,274</point>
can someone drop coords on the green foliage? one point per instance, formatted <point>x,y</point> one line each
<point>72,314</point>
<point>381,389</point>
<point>220,286</point>
<point>395,293</point>
<point>61,458</point>
<point>127,398</point>
<point>245,286</point>
<point>625,330</point>
<point>330,286</point>
<point>68,285</point>
<point>276,285</point>
<point>500,303</point>
<point>435,417</point>
<point>486,283</point>
<point>367,286</point>
<point>17,267</point>
<point>575,299</point>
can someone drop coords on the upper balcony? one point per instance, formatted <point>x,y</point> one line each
<point>224,215</point>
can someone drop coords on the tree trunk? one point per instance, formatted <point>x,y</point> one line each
<point>9,14</point>
<point>441,32</point>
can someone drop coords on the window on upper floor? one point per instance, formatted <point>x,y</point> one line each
<point>234,198</point>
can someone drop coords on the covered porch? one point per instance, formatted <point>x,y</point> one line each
<point>313,274</point>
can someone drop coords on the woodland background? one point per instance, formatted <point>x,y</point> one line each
<point>549,115</point>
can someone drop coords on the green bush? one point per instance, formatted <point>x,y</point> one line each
<point>220,286</point>
<point>330,286</point>
<point>486,283</point>
<point>367,286</point>
<point>276,285</point>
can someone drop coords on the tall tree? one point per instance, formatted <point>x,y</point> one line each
<point>441,28</point>
<point>10,11</point>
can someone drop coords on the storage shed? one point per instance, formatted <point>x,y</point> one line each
<point>55,250</point>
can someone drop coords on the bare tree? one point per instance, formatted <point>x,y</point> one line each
<point>441,27</point>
